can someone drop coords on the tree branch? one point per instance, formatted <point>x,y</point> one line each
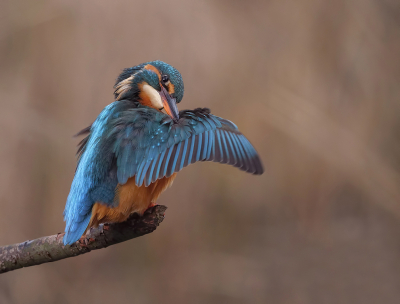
<point>51,248</point>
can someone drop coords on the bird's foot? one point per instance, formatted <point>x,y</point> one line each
<point>150,208</point>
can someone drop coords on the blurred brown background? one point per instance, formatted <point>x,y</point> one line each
<point>313,84</point>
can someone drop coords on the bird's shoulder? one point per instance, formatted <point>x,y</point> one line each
<point>141,127</point>
<point>144,127</point>
<point>114,118</point>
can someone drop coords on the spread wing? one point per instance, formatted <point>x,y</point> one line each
<point>149,145</point>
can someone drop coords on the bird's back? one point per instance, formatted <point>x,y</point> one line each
<point>93,179</point>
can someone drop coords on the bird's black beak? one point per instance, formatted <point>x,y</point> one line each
<point>169,104</point>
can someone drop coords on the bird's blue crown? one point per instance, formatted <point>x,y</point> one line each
<point>127,84</point>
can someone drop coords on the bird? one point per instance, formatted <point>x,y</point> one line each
<point>134,149</point>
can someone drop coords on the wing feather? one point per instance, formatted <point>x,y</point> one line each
<point>199,146</point>
<point>190,154</point>
<point>182,155</point>
<point>225,148</point>
<point>238,150</point>
<point>150,172</point>
<point>231,151</point>
<point>205,145</point>
<point>165,162</point>
<point>219,155</point>
<point>210,145</point>
<point>159,162</point>
<point>154,146</point>
<point>171,165</point>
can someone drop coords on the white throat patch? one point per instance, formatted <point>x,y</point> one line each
<point>153,95</point>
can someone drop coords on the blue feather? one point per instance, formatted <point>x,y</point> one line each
<point>183,155</point>
<point>219,150</point>
<point>144,171</point>
<point>249,153</point>
<point>129,140</point>
<point>175,159</point>
<point>199,147</point>
<point>166,162</point>
<point>205,146</point>
<point>225,148</point>
<point>189,158</point>
<point>149,173</point>
<point>71,236</point>
<point>91,168</point>
<point>210,145</point>
<point>157,172</point>
<point>238,150</point>
<point>232,149</point>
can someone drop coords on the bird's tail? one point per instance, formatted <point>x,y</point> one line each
<point>74,231</point>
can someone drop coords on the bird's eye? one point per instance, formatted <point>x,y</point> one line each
<point>165,79</point>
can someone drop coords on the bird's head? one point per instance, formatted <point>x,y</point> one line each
<point>155,84</point>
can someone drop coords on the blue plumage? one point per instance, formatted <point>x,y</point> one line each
<point>79,202</point>
<point>207,134</point>
<point>129,139</point>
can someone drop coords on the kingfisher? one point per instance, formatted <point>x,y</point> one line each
<point>135,147</point>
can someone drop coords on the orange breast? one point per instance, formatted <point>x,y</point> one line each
<point>130,198</point>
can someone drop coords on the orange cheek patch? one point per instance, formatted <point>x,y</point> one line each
<point>144,98</point>
<point>171,88</point>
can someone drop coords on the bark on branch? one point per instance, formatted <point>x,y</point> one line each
<point>51,248</point>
